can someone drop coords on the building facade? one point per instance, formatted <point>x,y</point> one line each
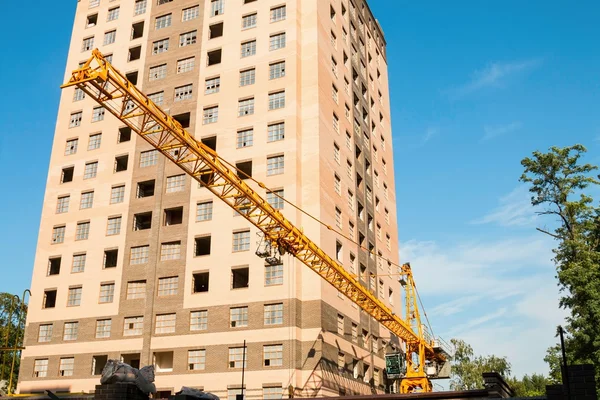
<point>136,262</point>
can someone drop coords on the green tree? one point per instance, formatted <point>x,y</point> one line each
<point>467,369</point>
<point>528,386</point>
<point>11,334</point>
<point>560,184</point>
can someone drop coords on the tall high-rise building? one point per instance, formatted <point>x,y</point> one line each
<point>136,262</point>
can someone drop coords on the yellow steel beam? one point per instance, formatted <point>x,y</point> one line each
<point>111,89</point>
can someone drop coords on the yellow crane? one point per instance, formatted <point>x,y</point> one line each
<point>424,358</point>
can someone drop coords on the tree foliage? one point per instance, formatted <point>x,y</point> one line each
<point>11,333</point>
<point>467,371</point>
<point>560,183</point>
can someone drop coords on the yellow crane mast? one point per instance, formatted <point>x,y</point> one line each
<point>111,89</point>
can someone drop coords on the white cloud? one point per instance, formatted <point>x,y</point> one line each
<point>492,132</point>
<point>494,75</point>
<point>499,295</point>
<point>429,134</point>
<point>515,209</point>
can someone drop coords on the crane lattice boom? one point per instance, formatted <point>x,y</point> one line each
<point>111,89</point>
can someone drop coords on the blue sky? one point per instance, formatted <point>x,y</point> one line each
<point>476,86</point>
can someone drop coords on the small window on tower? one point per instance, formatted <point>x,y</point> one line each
<point>124,134</point>
<point>201,282</point>
<point>215,30</point>
<point>202,246</point>
<point>173,216</point>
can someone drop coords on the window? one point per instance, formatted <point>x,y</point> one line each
<point>338,218</point>
<point>200,283</point>
<point>62,204</point>
<point>78,95</point>
<point>87,200</point>
<point>238,317</point>
<point>165,323</point>
<point>204,211</point>
<point>170,251</point>
<point>275,165</point>
<point>94,141</point>
<point>136,290</point>
<point>241,241</point>
<point>148,158</point>
<point>276,100</point>
<point>245,137</point>
<point>137,30</point>
<point>277,41</point>
<point>87,44</point>
<point>186,65</point>
<point>245,107</point>
<point>244,170</point>
<point>212,85</point>
<point>184,92</point>
<point>124,134</point>
<point>272,393</point>
<point>278,13</point>
<point>58,234</point>
<point>117,194</point>
<point>277,70</point>
<point>173,216</point>
<point>98,114</point>
<point>190,13</point>
<point>340,324</point>
<point>175,183</point>
<point>273,355</point>
<point>354,333</point>
<point>75,121</point>
<point>133,326</point>
<point>157,72</point>
<point>71,146</point>
<point>248,48</point>
<point>275,199</point>
<point>83,231</point>
<point>74,297</point>
<point>160,46</point>
<point>276,132</point>
<point>215,30</point>
<point>135,53</point>
<point>49,298</point>
<point>199,320</point>
<point>237,358</point>
<point>45,333</point>
<point>210,115</point>
<point>216,7</point>
<point>140,7</point>
<point>110,37</point>
<point>214,57</point>
<point>71,331</point>
<point>247,77</point>
<point>274,314</point>
<point>91,169</point>
<point>336,123</point>
<point>196,360</point>
<point>40,368</point>
<point>78,262</point>
<point>113,13</point>
<point>91,20</point>
<point>187,39</point>
<point>162,22</point>
<point>337,184</point>
<point>103,328</point>
<point>249,21</point>
<point>139,255</point>
<point>273,274</point>
<point>240,277</point>
<point>202,246</point>
<point>107,293</point>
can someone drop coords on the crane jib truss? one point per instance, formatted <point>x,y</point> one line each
<point>111,89</point>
